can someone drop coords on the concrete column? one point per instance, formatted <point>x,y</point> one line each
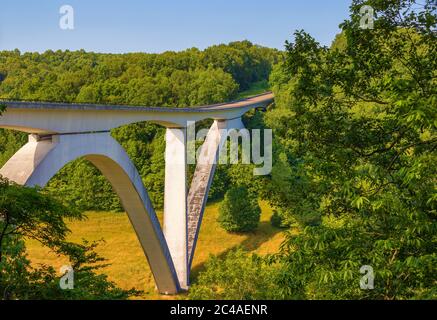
<point>201,183</point>
<point>203,177</point>
<point>175,202</point>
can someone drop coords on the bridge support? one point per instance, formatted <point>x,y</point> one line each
<point>203,177</point>
<point>175,201</point>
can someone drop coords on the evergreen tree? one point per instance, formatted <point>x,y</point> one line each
<point>239,211</point>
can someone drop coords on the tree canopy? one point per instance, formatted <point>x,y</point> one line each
<point>355,127</point>
<point>27,213</point>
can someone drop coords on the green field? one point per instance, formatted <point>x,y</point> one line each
<point>122,250</point>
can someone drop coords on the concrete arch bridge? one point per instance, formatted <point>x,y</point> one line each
<point>60,133</point>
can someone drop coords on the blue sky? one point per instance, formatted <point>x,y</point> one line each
<point>160,25</point>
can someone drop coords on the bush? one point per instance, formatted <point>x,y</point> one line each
<point>236,276</point>
<point>239,211</point>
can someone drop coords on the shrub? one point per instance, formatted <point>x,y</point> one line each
<point>236,276</point>
<point>239,211</point>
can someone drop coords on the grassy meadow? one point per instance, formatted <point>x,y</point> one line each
<point>128,265</point>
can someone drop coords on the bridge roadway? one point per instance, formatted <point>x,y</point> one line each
<point>48,118</point>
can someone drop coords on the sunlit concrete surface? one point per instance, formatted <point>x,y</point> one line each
<point>46,117</point>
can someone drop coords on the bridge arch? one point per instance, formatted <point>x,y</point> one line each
<point>41,158</point>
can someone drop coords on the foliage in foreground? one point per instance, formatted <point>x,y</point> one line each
<point>355,127</point>
<point>237,275</point>
<point>27,213</point>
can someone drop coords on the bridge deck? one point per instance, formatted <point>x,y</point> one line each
<point>247,102</point>
<point>49,118</point>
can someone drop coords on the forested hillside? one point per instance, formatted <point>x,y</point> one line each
<point>170,79</point>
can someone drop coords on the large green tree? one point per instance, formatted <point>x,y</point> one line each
<point>28,213</point>
<point>239,211</point>
<point>355,131</point>
<point>236,276</point>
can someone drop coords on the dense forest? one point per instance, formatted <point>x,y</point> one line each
<point>353,183</point>
<point>170,79</point>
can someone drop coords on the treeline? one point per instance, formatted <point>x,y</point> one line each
<point>176,79</point>
<point>171,79</point>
